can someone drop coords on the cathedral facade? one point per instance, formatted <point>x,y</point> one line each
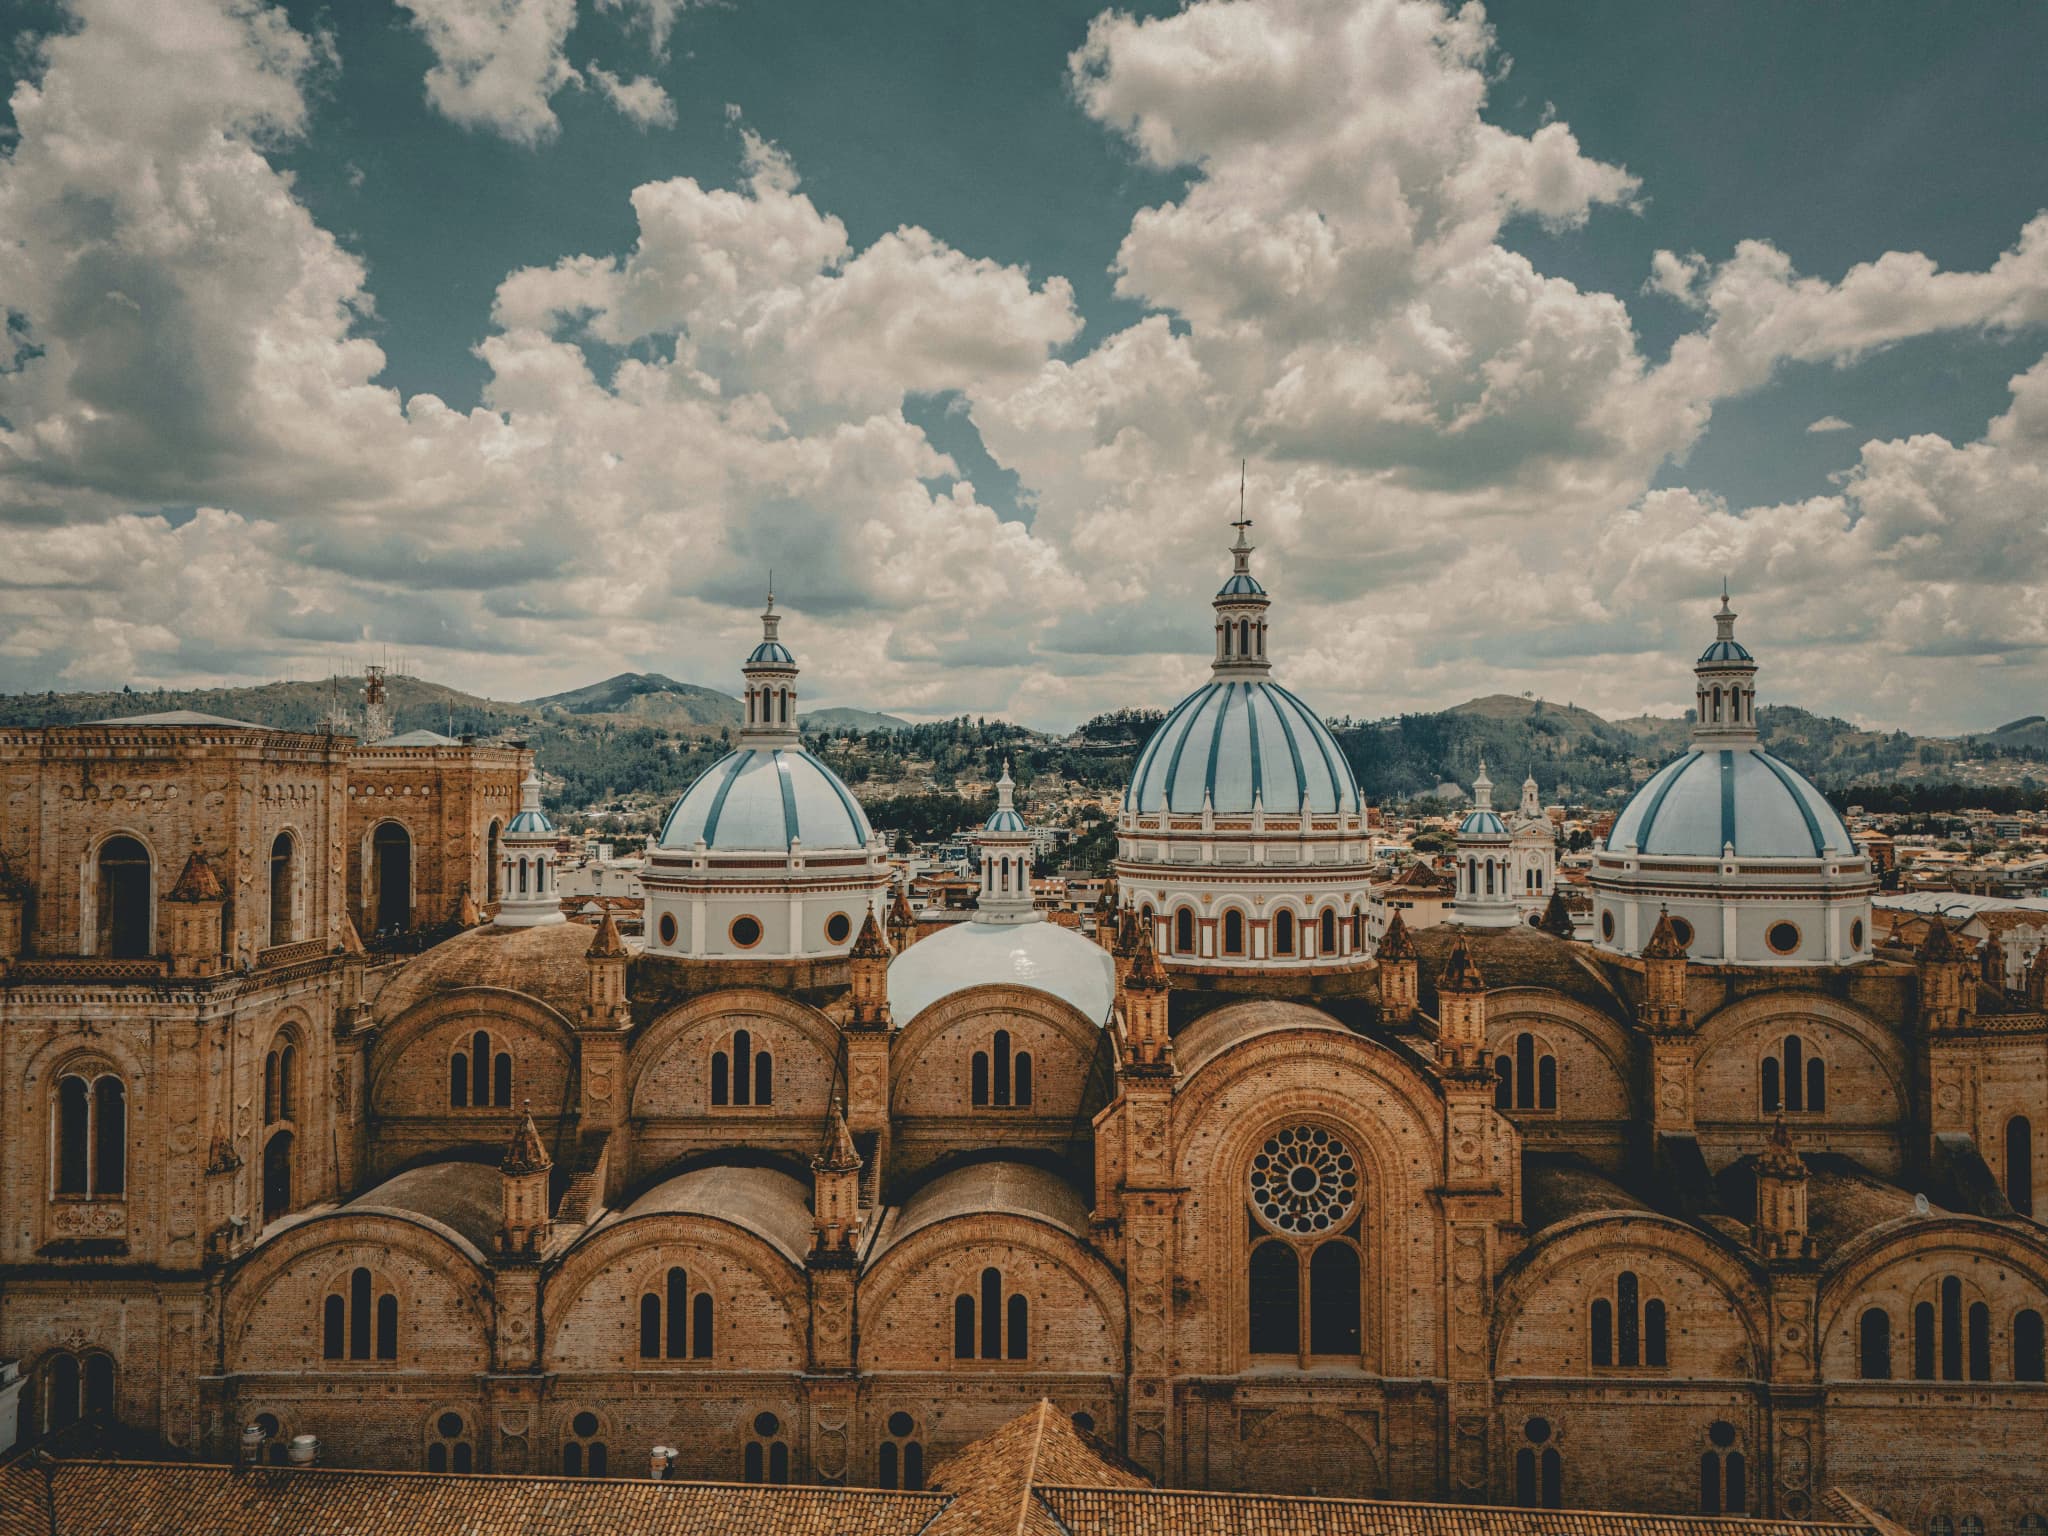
<point>1715,1208</point>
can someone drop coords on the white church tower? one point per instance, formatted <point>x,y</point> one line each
<point>526,860</point>
<point>1005,845</point>
<point>1485,897</point>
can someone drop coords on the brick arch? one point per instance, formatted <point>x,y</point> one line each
<point>309,1252</point>
<point>1388,1114</point>
<point>89,885</point>
<point>1629,1239</point>
<point>500,1010</point>
<point>1601,1042</point>
<point>1753,1020</point>
<point>631,1249</point>
<point>978,1238</point>
<point>1056,1093</point>
<point>1297,1449</point>
<point>691,1028</point>
<point>1862,1276</point>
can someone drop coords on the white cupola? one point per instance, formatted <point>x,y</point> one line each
<point>526,856</point>
<point>1004,843</point>
<point>1485,891</point>
<point>770,693</point>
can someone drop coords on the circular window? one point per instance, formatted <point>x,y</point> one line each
<point>585,1424</point>
<point>450,1425</point>
<point>901,1424</point>
<point>766,1424</point>
<point>745,932</point>
<point>837,927</point>
<point>1682,930</point>
<point>1607,926</point>
<point>1722,1433</point>
<point>1304,1180</point>
<point>667,929</point>
<point>1538,1431</point>
<point>1782,937</point>
<point>1084,1421</point>
<point>267,1422</point>
<point>1856,934</point>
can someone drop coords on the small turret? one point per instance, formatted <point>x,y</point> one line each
<point>1400,973</point>
<point>194,910</point>
<point>523,1191</point>
<point>1557,917</point>
<point>1144,999</point>
<point>466,914</point>
<point>770,674</point>
<point>1663,1009</point>
<point>604,989</point>
<point>1461,1009</point>
<point>1106,917</point>
<point>868,964</point>
<point>835,1193</point>
<point>1947,994</point>
<point>1781,1231</point>
<point>902,922</point>
<point>1004,843</point>
<point>527,864</point>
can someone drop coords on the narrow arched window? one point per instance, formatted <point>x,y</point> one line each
<point>1816,1085</point>
<point>334,1327</point>
<point>678,1289</point>
<point>501,1079</point>
<point>1773,1099</point>
<point>742,1067</point>
<point>387,1327</point>
<point>1653,1333</point>
<point>359,1315</point>
<point>991,1314</point>
<point>458,1080</point>
<point>1503,1082</point>
<point>1923,1341</point>
<point>1874,1345</point>
<point>1980,1342</point>
<point>1627,1317</point>
<point>1328,937</point>
<point>1020,1073</point>
<point>1603,1331</point>
<point>287,1082</point>
<point>650,1326</point>
<point>124,928</point>
<point>74,1136</point>
<point>281,889</point>
<point>270,1088</point>
<point>977,1072</point>
<point>1951,1329</point>
<point>1525,1071</point>
<point>700,1326</point>
<point>1553,1479</point>
<point>61,1395</point>
<point>999,1069</point>
<point>1546,1082</point>
<point>764,1078</point>
<point>885,1465</point>
<point>720,1089</point>
<point>1795,1080</point>
<point>1525,1478</point>
<point>1233,932</point>
<point>1283,932</point>
<point>2019,1164</point>
<point>963,1327</point>
<point>99,1385</point>
<point>1017,1333</point>
<point>1333,1300</point>
<point>1184,931</point>
<point>480,1068</point>
<point>1273,1297</point>
<point>2029,1358</point>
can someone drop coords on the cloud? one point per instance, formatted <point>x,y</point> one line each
<point>657,16</point>
<point>641,99</point>
<point>1830,424</point>
<point>497,63</point>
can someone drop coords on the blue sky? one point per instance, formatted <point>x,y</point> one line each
<point>522,336</point>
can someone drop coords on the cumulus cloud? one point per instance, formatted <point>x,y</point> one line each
<point>1830,424</point>
<point>1452,449</point>
<point>497,63</point>
<point>641,99</point>
<point>658,17</point>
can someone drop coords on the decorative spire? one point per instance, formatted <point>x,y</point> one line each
<point>1241,605</point>
<point>466,913</point>
<point>608,945</point>
<point>1779,1158</point>
<point>1939,943</point>
<point>1005,789</point>
<point>869,944</point>
<point>838,1155</point>
<point>198,882</point>
<point>770,673</point>
<point>1395,943</point>
<point>1557,917</point>
<point>1461,971</point>
<point>1664,941</point>
<point>1726,684</point>
<point>525,1153</point>
<point>1147,974</point>
<point>1482,788</point>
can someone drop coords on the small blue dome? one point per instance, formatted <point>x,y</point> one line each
<point>771,653</point>
<point>1236,741</point>
<point>1726,650</point>
<point>1741,797</point>
<point>1243,584</point>
<point>1482,824</point>
<point>1004,821</point>
<point>764,798</point>
<point>530,822</point>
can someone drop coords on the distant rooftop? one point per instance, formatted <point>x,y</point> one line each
<point>417,739</point>
<point>182,717</point>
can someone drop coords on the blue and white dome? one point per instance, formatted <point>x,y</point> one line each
<point>1737,797</point>
<point>535,822</point>
<point>1232,742</point>
<point>1482,823</point>
<point>1241,584</point>
<point>766,798</point>
<point>770,653</point>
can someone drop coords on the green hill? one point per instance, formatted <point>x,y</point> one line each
<point>841,718</point>
<point>645,698</point>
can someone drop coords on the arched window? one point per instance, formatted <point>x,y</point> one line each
<point>984,1328</point>
<point>742,1076</point>
<point>1951,1329</point>
<point>280,1081</point>
<point>2019,1164</point>
<point>91,1135</point>
<point>1874,1345</point>
<point>1184,931</point>
<point>1233,932</point>
<point>1283,932</point>
<point>2029,1359</point>
<point>1627,1331</point>
<point>1980,1341</point>
<point>1539,1470</point>
<point>350,1313</point>
<point>391,866</point>
<point>675,1322</point>
<point>448,1448</point>
<point>1333,1300</point>
<point>1792,1080</point>
<point>124,928</point>
<point>1923,1341</point>
<point>584,1454</point>
<point>1528,1078</point>
<point>480,1074</point>
<point>277,1176</point>
<point>1327,938</point>
<point>281,889</point>
<point>1724,1474</point>
<point>74,1386</point>
<point>765,1456</point>
<point>998,1076</point>
<point>1274,1296</point>
<point>900,1461</point>
<point>491,856</point>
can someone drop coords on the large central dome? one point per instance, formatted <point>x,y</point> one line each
<point>1745,799</point>
<point>1232,743</point>
<point>767,799</point>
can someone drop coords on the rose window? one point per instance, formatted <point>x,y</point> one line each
<point>1304,1180</point>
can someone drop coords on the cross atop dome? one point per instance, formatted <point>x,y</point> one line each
<point>1241,607</point>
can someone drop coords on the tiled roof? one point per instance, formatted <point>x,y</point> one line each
<point>1147,1512</point>
<point>113,1498</point>
<point>994,1478</point>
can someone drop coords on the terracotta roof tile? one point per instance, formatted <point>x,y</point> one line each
<point>198,882</point>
